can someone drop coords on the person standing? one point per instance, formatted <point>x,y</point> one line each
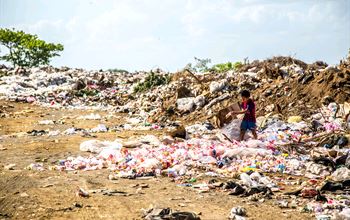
<point>249,119</point>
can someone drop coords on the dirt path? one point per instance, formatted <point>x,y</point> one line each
<point>26,194</point>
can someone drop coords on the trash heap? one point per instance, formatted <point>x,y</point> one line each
<point>303,128</point>
<point>279,85</point>
<point>65,87</point>
<point>315,159</point>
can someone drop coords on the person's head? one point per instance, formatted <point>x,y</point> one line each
<point>245,95</point>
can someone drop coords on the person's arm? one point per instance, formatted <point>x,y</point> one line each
<point>236,113</point>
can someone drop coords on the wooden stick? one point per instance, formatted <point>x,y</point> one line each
<point>194,76</point>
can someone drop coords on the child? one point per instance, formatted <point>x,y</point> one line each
<point>249,120</point>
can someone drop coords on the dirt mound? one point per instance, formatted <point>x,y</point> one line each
<point>282,85</point>
<point>271,63</point>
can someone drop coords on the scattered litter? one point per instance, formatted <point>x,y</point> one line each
<point>36,167</point>
<point>302,130</point>
<point>10,166</point>
<point>46,122</point>
<point>90,117</point>
<point>82,193</point>
<point>167,213</point>
<point>238,213</point>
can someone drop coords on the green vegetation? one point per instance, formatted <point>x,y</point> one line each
<point>224,67</point>
<point>151,80</point>
<point>116,70</point>
<point>87,92</point>
<point>201,65</point>
<point>27,50</point>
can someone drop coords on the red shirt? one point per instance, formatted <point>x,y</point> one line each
<point>250,113</point>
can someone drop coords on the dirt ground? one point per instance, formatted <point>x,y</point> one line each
<point>26,194</point>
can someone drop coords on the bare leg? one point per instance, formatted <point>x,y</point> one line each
<point>254,134</point>
<point>241,135</point>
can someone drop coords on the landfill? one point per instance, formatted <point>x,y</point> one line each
<point>303,130</point>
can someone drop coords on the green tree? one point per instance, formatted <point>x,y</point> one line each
<point>27,50</point>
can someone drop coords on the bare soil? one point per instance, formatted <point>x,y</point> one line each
<point>26,194</point>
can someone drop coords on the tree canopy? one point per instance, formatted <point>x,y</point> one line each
<point>27,50</point>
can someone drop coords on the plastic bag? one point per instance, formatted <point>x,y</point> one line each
<point>96,146</point>
<point>341,174</point>
<point>185,104</point>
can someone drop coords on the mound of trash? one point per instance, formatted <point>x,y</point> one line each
<point>303,129</point>
<point>312,156</point>
<point>280,85</point>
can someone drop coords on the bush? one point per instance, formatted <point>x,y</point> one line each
<point>151,80</point>
<point>27,50</point>
<point>224,67</point>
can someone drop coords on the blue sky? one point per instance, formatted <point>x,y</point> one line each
<point>143,34</point>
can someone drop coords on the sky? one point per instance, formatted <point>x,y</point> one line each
<point>146,34</point>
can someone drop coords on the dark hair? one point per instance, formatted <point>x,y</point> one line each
<point>245,93</point>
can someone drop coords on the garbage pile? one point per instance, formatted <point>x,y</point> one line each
<point>65,87</point>
<point>287,153</point>
<point>280,85</point>
<point>303,141</point>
